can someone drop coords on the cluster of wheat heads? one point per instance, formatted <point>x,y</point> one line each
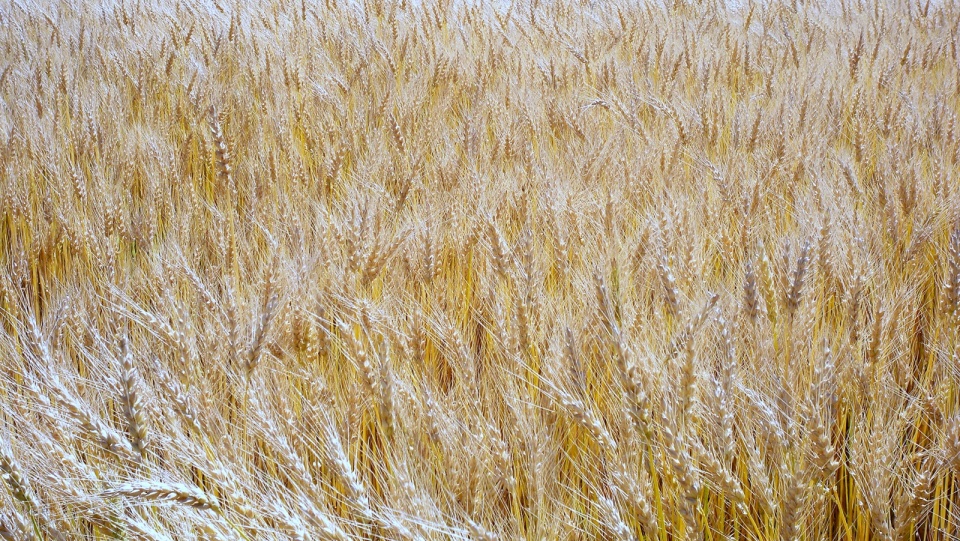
<point>461,270</point>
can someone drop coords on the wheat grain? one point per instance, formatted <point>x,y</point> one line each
<point>152,491</point>
<point>434,269</point>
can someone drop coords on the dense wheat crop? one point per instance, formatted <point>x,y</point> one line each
<point>462,270</point>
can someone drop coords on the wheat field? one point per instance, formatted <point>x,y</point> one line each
<point>449,270</point>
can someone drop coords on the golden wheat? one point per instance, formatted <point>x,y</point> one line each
<point>443,269</point>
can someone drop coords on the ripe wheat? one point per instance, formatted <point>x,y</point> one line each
<point>459,269</point>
